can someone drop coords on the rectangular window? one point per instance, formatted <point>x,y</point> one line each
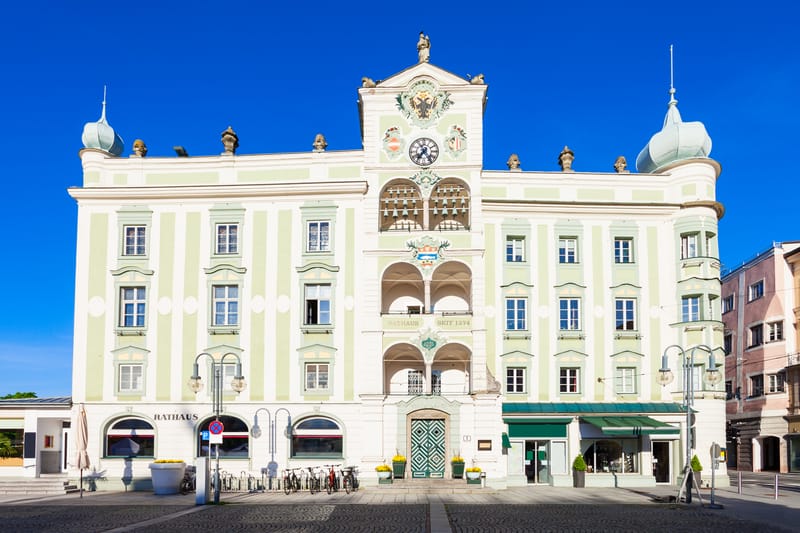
<point>515,249</point>
<point>625,314</point>
<point>132,307</point>
<point>757,385</point>
<point>134,240</point>
<point>729,390</point>
<point>319,236</point>
<point>227,238</point>
<point>130,378</point>
<point>226,305</point>
<point>569,380</point>
<point>625,380</point>
<point>776,383</point>
<point>569,314</point>
<point>515,380</point>
<point>727,343</point>
<point>318,304</point>
<point>416,382</point>
<point>623,250</point>
<point>727,304</point>
<point>567,250</point>
<point>755,291</point>
<point>689,246</point>
<point>756,336</point>
<point>690,308</point>
<point>516,314</point>
<point>775,331</point>
<point>316,376</point>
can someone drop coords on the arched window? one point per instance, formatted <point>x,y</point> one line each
<point>317,437</point>
<point>235,438</point>
<point>130,437</point>
<point>401,207</point>
<point>449,206</point>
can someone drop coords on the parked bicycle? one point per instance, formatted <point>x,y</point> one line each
<point>188,483</point>
<point>350,479</point>
<point>332,482</point>
<point>291,482</point>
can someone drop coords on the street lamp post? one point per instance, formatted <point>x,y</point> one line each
<point>665,377</point>
<point>255,432</point>
<point>196,385</point>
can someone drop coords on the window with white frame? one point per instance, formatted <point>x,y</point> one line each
<point>776,383</point>
<point>316,376</point>
<point>227,238</point>
<point>567,250</point>
<point>515,249</point>
<point>727,343</point>
<point>623,250</point>
<point>689,245</point>
<point>625,380</point>
<point>226,305</point>
<point>569,314</point>
<point>132,307</point>
<point>755,291</point>
<point>775,331</point>
<point>515,379</point>
<point>134,240</point>
<point>756,385</point>
<point>756,335</point>
<point>569,380</point>
<point>317,304</point>
<point>625,314</point>
<point>416,382</point>
<point>228,373</point>
<point>130,378</point>
<point>516,318</point>
<point>690,308</point>
<point>727,304</point>
<point>319,236</point>
<point>130,437</point>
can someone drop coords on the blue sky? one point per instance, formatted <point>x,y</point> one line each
<point>591,75</point>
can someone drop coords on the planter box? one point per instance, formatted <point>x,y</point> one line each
<point>399,470</point>
<point>476,481</point>
<point>458,470</point>
<point>167,477</point>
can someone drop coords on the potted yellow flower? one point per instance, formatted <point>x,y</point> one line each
<point>457,463</point>
<point>473,475</point>
<point>399,465</point>
<point>167,475</point>
<point>384,473</point>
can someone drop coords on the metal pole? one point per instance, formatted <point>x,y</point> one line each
<point>739,483</point>
<point>688,392</point>
<point>216,393</point>
<point>776,486</point>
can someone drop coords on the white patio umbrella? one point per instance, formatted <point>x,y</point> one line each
<point>81,443</point>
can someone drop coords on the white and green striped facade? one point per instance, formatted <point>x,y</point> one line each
<point>436,318</point>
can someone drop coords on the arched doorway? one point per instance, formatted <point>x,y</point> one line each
<point>428,429</point>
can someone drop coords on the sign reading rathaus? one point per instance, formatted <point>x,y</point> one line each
<point>418,303</point>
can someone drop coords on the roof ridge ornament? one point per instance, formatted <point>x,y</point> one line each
<point>100,135</point>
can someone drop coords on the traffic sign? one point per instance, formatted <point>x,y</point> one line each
<point>216,427</point>
<point>204,435</point>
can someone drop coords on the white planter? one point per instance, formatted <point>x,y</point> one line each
<point>473,475</point>
<point>167,477</point>
<point>384,475</point>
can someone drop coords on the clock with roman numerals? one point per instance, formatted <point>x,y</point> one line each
<point>423,151</point>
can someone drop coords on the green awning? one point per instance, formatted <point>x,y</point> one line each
<point>537,427</point>
<point>506,442</point>
<point>630,425</point>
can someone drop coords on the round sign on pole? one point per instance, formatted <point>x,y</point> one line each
<point>216,427</point>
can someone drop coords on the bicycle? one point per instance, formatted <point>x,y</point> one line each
<point>188,483</point>
<point>349,479</point>
<point>291,483</point>
<point>332,483</point>
<point>314,484</point>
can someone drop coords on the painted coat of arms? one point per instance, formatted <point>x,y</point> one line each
<point>393,143</point>
<point>423,103</point>
<point>456,140</point>
<point>427,251</point>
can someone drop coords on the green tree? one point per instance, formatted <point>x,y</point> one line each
<point>18,396</point>
<point>579,464</point>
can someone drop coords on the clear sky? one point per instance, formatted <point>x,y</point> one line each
<point>588,74</point>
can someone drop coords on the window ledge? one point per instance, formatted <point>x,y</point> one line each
<point>565,335</point>
<point>133,332</point>
<point>627,335</point>
<point>512,336</point>
<point>223,330</point>
<point>322,329</point>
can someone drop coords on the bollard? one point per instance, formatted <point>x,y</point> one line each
<point>776,486</point>
<point>739,484</point>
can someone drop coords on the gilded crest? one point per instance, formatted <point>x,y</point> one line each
<point>456,140</point>
<point>423,103</point>
<point>427,251</point>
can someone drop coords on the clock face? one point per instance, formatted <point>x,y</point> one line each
<point>423,151</point>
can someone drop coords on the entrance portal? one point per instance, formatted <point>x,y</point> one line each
<point>427,448</point>
<point>661,461</point>
<point>537,461</point>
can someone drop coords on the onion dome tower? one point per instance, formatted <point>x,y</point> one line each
<point>676,141</point>
<point>101,136</point>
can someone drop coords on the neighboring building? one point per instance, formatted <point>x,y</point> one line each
<point>793,363</point>
<point>757,310</point>
<point>399,298</point>
<point>34,435</point>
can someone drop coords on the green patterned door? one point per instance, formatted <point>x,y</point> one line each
<point>427,447</point>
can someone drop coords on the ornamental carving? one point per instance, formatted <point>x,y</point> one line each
<point>423,103</point>
<point>427,251</point>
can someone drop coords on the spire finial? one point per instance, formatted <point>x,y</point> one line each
<point>671,79</point>
<point>103,114</point>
